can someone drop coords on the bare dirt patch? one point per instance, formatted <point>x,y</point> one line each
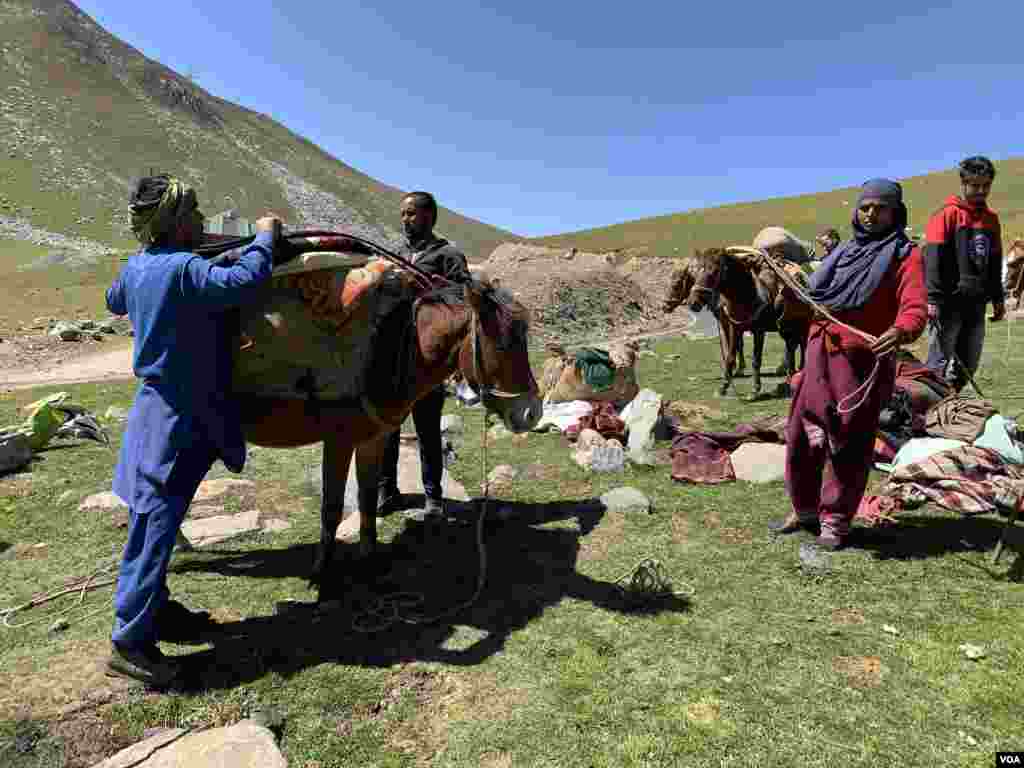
<point>712,519</point>
<point>30,361</point>
<point>859,671</point>
<point>847,617</point>
<point>680,530</point>
<point>441,699</point>
<point>584,296</point>
<point>60,681</point>
<point>704,712</point>
<point>736,535</point>
<point>604,538</point>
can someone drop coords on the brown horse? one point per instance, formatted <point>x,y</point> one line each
<point>679,286</point>
<point>476,329</point>
<point>746,303</point>
<point>1015,272</point>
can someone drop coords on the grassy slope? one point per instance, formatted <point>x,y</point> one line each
<point>805,215</point>
<point>766,666</point>
<point>86,133</point>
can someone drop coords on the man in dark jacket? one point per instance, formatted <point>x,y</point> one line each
<point>963,256</point>
<point>183,419</point>
<point>436,256</point>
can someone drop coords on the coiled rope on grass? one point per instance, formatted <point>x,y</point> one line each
<point>647,582</point>
<point>399,607</point>
<point>80,586</point>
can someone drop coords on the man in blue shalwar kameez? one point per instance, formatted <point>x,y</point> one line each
<point>183,418</point>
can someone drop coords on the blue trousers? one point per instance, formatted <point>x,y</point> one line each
<point>153,523</point>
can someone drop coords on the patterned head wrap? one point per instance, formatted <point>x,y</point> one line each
<point>158,204</point>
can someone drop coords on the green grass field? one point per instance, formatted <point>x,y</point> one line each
<point>759,664</point>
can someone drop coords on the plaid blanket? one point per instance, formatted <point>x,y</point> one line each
<point>968,480</point>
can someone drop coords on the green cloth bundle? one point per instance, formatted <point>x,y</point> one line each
<point>596,368</point>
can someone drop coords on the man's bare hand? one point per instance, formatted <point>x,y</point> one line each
<point>270,223</point>
<point>888,341</point>
<point>933,311</point>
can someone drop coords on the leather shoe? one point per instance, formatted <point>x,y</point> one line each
<point>791,524</point>
<point>147,665</point>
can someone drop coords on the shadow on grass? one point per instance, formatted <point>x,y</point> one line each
<point>918,536</point>
<point>528,570</point>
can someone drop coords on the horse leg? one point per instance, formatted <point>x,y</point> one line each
<point>728,344</point>
<point>758,352</point>
<point>337,455</point>
<point>741,360</point>
<point>368,461</point>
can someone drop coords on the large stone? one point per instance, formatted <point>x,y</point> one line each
<point>243,745</point>
<point>501,477</point>
<point>105,500</point>
<point>211,489</point>
<point>212,530</point>
<point>626,500</point>
<point>759,462</point>
<point>641,419</point>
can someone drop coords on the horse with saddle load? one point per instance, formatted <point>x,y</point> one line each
<point>346,337</point>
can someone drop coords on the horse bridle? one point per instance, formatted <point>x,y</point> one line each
<point>488,395</point>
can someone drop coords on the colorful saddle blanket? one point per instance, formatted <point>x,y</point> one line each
<point>312,331</point>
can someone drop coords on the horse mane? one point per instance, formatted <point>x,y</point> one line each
<point>391,368</point>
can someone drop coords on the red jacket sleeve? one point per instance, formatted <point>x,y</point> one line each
<point>913,299</point>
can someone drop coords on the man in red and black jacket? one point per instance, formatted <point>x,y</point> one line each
<point>963,257</point>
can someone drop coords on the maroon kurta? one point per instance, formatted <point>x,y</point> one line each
<point>833,419</point>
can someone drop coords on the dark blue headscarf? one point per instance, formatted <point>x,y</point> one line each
<point>852,272</point>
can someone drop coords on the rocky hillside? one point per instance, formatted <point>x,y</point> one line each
<point>82,114</point>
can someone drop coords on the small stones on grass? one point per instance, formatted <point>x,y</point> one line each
<point>973,652</point>
<point>889,629</point>
<point>104,500</point>
<point>626,500</point>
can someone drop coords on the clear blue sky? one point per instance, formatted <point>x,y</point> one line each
<point>547,117</point>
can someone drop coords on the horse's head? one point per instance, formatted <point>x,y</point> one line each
<point>708,269</point>
<point>494,357</point>
<point>679,286</point>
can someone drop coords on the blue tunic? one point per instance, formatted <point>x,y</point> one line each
<point>177,303</point>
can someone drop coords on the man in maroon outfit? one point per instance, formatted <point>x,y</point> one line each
<point>874,283</point>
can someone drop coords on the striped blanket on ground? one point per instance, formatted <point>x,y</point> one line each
<point>968,480</point>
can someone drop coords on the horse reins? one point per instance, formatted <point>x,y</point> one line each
<point>215,251</point>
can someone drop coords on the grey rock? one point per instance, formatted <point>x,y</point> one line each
<point>212,530</point>
<point>626,500</point>
<point>106,500</point>
<point>242,745</point>
<point>813,558</point>
<point>759,462</point>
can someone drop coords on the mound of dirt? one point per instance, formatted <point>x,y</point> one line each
<point>575,295</point>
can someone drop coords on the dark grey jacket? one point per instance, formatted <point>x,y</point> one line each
<point>439,257</point>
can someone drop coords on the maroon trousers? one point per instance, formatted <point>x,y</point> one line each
<point>830,435</point>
